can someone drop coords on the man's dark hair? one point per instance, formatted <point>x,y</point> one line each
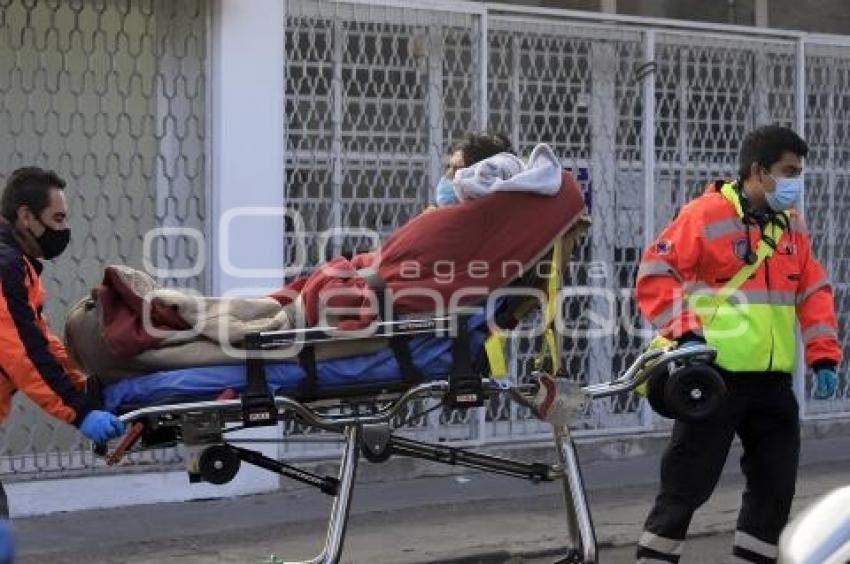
<point>767,144</point>
<point>28,186</point>
<point>479,146</point>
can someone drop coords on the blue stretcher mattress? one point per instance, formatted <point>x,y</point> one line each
<point>432,356</point>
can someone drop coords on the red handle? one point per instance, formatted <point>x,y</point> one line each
<point>129,439</point>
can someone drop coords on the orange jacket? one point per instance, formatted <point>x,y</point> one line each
<point>706,245</point>
<point>33,360</point>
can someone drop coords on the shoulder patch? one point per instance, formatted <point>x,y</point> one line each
<point>663,247</point>
<point>740,248</point>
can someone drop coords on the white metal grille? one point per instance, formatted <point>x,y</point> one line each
<point>112,95</point>
<point>374,97</point>
<point>827,190</point>
<point>709,94</point>
<point>576,89</point>
<point>579,87</point>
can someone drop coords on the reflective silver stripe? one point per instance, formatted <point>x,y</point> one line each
<point>814,288</point>
<point>771,297</point>
<point>763,297</point>
<point>751,543</point>
<point>722,228</point>
<point>818,330</point>
<point>697,288</point>
<point>667,315</point>
<point>661,544</point>
<point>657,268</point>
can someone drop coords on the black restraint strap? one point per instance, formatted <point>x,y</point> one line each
<point>465,385</point>
<point>307,359</point>
<point>400,344</point>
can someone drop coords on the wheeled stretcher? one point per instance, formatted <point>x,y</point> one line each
<point>429,357</point>
<point>360,385</point>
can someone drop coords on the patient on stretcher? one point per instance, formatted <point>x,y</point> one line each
<point>453,257</point>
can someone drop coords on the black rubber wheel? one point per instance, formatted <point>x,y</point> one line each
<point>218,464</point>
<point>376,457</point>
<point>694,392</point>
<point>655,386</point>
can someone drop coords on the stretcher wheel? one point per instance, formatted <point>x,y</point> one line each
<point>656,385</point>
<point>694,392</point>
<point>218,464</point>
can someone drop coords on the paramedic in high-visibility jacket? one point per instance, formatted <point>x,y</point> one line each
<point>32,359</point>
<point>712,238</point>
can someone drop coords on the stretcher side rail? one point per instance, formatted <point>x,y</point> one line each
<point>313,335</point>
<point>639,371</point>
<point>465,387</point>
<point>203,428</point>
<point>310,417</point>
<point>630,379</point>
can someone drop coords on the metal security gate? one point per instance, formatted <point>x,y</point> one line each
<point>827,197</point>
<point>575,88</point>
<point>374,96</point>
<point>646,116</point>
<point>111,95</point>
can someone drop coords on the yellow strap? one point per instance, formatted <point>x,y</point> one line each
<point>553,286</point>
<point>494,346</point>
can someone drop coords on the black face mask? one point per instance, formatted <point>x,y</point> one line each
<point>53,241</point>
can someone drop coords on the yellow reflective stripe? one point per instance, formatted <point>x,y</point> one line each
<point>722,228</point>
<point>818,330</point>
<point>494,346</point>
<point>657,268</point>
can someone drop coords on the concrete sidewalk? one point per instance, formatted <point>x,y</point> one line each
<point>425,519</point>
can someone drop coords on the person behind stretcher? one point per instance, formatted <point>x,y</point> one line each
<point>34,226</point>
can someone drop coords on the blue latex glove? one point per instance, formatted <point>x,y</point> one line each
<point>7,542</point>
<point>100,426</point>
<point>825,381</point>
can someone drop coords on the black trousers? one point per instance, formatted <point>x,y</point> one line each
<point>762,410</point>
<point>4,503</point>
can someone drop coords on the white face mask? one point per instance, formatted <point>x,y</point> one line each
<point>785,194</point>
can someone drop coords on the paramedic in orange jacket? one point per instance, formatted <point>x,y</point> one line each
<point>712,238</point>
<point>33,359</point>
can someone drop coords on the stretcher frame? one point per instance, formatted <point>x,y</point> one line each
<point>201,427</point>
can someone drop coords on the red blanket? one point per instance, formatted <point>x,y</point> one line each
<point>460,253</point>
<point>452,256</point>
